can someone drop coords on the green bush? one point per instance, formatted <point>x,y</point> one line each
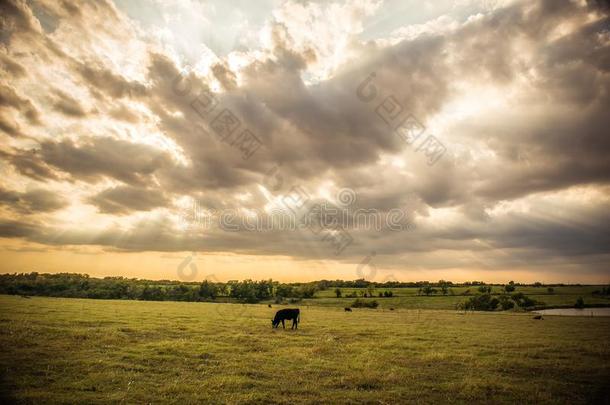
<point>482,302</point>
<point>509,288</point>
<point>506,303</point>
<point>523,301</point>
<point>364,304</point>
<point>485,289</point>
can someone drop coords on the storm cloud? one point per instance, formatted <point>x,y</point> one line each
<point>105,108</point>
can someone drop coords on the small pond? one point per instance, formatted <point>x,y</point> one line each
<point>575,311</point>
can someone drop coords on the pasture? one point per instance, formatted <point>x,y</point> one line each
<point>408,298</point>
<point>56,350</point>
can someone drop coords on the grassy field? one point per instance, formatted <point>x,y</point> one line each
<point>57,350</point>
<point>408,298</point>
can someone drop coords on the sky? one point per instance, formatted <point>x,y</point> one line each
<point>306,140</point>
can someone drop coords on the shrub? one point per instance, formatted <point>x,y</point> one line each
<point>506,303</point>
<point>487,302</point>
<point>364,304</point>
<point>427,290</point>
<point>523,301</point>
<point>482,302</point>
<point>484,289</point>
<point>580,303</point>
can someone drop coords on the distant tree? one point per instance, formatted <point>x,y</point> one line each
<point>482,302</point>
<point>364,304</point>
<point>506,303</point>
<point>285,291</point>
<point>207,290</point>
<point>550,290</point>
<point>537,284</point>
<point>484,289</point>
<point>338,292</point>
<point>509,288</point>
<point>307,291</point>
<point>360,283</point>
<point>523,301</point>
<point>580,303</point>
<point>152,294</point>
<point>427,290</point>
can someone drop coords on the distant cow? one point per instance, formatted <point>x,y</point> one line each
<point>287,314</point>
<point>269,305</point>
<point>539,317</point>
<point>348,310</point>
<point>391,309</point>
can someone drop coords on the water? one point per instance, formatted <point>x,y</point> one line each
<point>575,311</point>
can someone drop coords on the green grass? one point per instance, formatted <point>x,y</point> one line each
<point>57,350</point>
<point>407,298</point>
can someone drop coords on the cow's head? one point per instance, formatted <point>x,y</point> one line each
<point>274,324</point>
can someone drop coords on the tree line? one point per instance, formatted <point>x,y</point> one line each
<point>73,285</point>
<point>82,286</point>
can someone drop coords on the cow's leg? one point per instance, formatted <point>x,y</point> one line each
<point>283,324</point>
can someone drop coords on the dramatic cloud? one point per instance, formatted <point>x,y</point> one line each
<point>137,120</point>
<point>32,201</point>
<point>121,200</point>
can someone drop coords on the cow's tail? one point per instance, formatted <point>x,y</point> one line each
<point>299,317</point>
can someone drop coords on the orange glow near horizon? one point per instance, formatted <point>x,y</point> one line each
<point>228,266</point>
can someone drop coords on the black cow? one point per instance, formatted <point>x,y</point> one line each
<point>348,309</point>
<point>287,314</point>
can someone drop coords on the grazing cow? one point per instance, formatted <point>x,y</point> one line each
<point>348,310</point>
<point>539,317</point>
<point>391,309</point>
<point>287,314</point>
